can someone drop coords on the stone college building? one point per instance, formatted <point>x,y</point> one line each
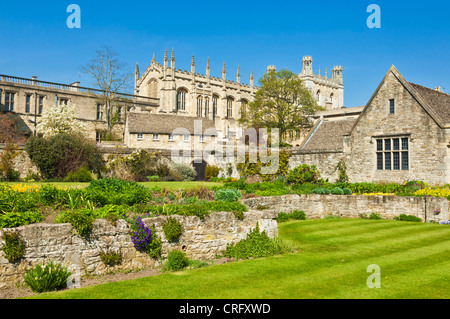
<point>401,134</point>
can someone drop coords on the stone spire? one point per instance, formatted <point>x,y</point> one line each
<point>251,78</point>
<point>224,72</point>
<point>172,60</point>
<point>166,60</point>
<point>193,64</point>
<point>208,73</point>
<point>136,73</point>
<point>238,75</point>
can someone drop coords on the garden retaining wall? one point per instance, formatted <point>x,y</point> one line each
<point>350,206</point>
<point>200,239</point>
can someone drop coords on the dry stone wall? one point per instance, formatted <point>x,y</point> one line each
<point>200,239</point>
<point>350,206</point>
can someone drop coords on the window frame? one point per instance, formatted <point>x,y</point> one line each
<point>230,107</point>
<point>392,153</point>
<point>28,103</point>
<point>181,99</point>
<point>100,112</point>
<point>392,106</point>
<point>10,101</point>
<point>140,136</point>
<point>41,104</point>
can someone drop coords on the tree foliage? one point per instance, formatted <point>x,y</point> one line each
<point>282,102</point>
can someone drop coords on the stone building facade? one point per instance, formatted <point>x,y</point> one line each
<point>28,98</point>
<point>401,135</point>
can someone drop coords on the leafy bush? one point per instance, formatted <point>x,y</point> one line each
<point>211,171</point>
<point>295,215</point>
<point>115,191</point>
<point>408,218</point>
<point>110,257</point>
<point>257,244</point>
<point>227,195</point>
<point>7,171</point>
<point>221,206</point>
<point>337,191</point>
<point>82,175</point>
<point>19,218</point>
<point>14,246</point>
<point>81,220</point>
<point>321,191</point>
<point>187,173</point>
<point>347,191</point>
<point>47,277</point>
<point>172,229</point>
<point>62,153</point>
<point>278,159</point>
<point>303,174</point>
<point>199,193</point>
<point>176,260</point>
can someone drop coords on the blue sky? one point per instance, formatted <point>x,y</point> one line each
<point>414,36</point>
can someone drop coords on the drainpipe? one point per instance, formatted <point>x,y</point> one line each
<point>35,111</point>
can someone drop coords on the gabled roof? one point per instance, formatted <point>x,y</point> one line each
<point>438,101</point>
<point>327,135</point>
<point>166,124</point>
<point>435,103</point>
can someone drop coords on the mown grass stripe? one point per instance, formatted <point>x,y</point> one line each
<point>414,261</point>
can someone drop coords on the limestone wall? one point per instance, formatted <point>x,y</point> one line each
<point>200,239</point>
<point>350,206</point>
<point>325,162</point>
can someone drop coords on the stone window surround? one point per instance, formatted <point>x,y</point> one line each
<point>401,151</point>
<point>14,101</point>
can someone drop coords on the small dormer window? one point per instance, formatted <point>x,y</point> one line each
<point>392,106</point>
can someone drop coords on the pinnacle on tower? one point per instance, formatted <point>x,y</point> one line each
<point>238,75</point>
<point>165,56</point>
<point>193,65</point>
<point>153,58</point>
<point>208,66</point>
<point>173,55</point>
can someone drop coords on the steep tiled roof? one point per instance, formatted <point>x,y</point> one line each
<point>166,124</point>
<point>439,102</point>
<point>328,135</point>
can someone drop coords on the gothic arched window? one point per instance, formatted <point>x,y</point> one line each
<point>181,100</point>
<point>207,107</point>
<point>215,104</point>
<point>199,106</point>
<point>230,107</point>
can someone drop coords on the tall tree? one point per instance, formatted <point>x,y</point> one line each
<point>282,102</point>
<point>111,77</point>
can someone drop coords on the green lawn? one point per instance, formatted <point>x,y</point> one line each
<point>331,262</point>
